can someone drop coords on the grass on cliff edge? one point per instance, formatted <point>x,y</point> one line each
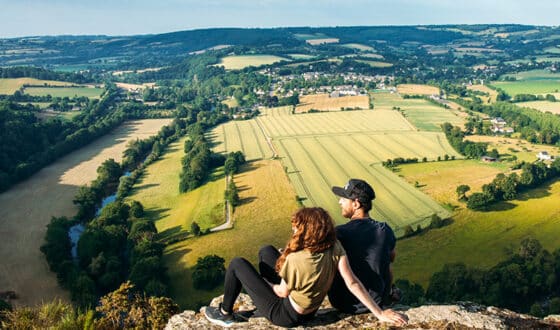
<point>478,239</point>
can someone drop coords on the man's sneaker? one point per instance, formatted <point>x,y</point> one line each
<point>215,315</point>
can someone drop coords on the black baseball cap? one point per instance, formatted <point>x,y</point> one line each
<point>355,189</point>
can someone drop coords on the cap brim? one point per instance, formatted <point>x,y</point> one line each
<point>339,191</point>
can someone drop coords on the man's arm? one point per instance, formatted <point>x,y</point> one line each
<point>358,290</point>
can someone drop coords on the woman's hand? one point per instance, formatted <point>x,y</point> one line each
<point>281,289</point>
<point>390,316</point>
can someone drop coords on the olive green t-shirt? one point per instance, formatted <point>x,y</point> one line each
<point>309,275</point>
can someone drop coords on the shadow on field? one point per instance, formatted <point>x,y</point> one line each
<point>246,200</point>
<point>540,192</point>
<point>176,253</point>
<point>502,206</point>
<point>145,186</point>
<point>172,149</point>
<point>172,235</point>
<point>155,214</point>
<point>243,188</point>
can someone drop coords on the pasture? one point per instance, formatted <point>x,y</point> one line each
<point>324,102</point>
<point>64,91</point>
<point>238,62</point>
<point>480,239</point>
<point>172,212</point>
<point>376,64</point>
<point>26,209</point>
<point>531,82</point>
<point>415,89</point>
<point>360,47</point>
<point>11,85</point>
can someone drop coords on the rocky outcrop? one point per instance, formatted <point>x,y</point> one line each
<point>463,315</point>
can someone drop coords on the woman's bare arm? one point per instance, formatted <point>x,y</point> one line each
<point>358,290</point>
<point>281,289</point>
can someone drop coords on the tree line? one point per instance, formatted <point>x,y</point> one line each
<point>528,282</point>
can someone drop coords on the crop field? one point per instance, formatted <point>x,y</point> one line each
<point>478,239</point>
<point>64,91</point>
<point>324,102</point>
<point>427,116</point>
<point>26,209</point>
<point>301,56</point>
<point>417,89</point>
<point>543,106</point>
<point>376,64</point>
<point>319,150</point>
<point>360,47</point>
<point>11,85</point>
<point>420,113</point>
<point>340,122</point>
<point>245,136</point>
<point>492,94</point>
<point>523,150</point>
<point>531,82</point>
<point>242,61</point>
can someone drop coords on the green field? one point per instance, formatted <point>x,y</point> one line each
<point>320,150</point>
<point>376,64</point>
<point>65,91</point>
<point>424,115</point>
<point>531,82</point>
<point>238,62</point>
<point>482,239</point>
<point>360,47</point>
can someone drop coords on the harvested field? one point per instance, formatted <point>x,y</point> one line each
<point>132,87</point>
<point>324,102</point>
<point>376,64</point>
<point>26,209</point>
<point>543,106</point>
<point>415,89</point>
<point>238,62</point>
<point>64,91</point>
<point>11,85</point>
<point>245,136</point>
<point>360,47</point>
<point>492,94</point>
<point>316,42</point>
<point>427,116</point>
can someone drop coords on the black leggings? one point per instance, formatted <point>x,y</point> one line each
<point>241,274</point>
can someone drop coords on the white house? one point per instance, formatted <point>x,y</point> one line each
<point>543,155</point>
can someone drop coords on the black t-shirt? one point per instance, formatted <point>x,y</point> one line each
<point>368,244</point>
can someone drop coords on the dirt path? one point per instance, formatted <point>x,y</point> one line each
<point>229,223</point>
<point>27,208</point>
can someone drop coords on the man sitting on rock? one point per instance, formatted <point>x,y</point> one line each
<point>369,245</point>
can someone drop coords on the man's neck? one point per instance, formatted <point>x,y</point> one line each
<point>359,214</point>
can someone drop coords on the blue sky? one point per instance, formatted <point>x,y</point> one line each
<point>127,17</point>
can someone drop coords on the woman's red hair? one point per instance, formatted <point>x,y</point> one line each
<point>314,232</point>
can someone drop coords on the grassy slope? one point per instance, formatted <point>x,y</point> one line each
<point>479,239</point>
<point>65,91</point>
<point>263,218</point>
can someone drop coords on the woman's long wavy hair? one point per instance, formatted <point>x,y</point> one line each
<point>314,231</point>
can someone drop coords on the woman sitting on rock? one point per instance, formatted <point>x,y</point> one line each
<point>291,286</point>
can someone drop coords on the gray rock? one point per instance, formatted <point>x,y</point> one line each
<point>463,315</point>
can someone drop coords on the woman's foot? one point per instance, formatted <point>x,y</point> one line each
<point>216,316</point>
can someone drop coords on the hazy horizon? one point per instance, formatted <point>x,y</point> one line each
<point>128,17</point>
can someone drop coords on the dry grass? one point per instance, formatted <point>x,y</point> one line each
<point>11,85</point>
<point>324,102</point>
<point>130,87</point>
<point>543,106</point>
<point>27,208</point>
<point>316,42</point>
<point>482,88</point>
<point>415,89</point>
